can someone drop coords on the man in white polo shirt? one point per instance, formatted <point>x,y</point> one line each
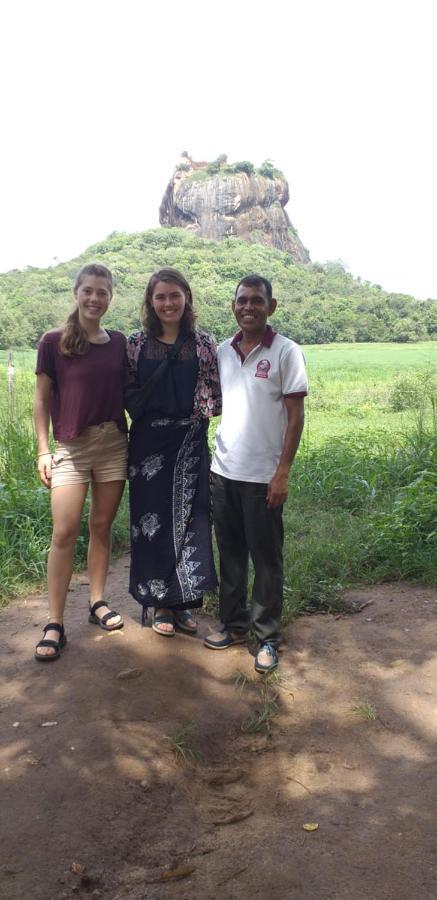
<point>263,383</point>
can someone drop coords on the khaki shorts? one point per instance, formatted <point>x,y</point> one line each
<point>99,454</point>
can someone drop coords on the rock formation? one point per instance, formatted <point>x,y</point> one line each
<point>215,200</point>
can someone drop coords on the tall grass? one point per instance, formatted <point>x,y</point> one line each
<point>25,520</point>
<point>361,512</point>
<point>363,488</point>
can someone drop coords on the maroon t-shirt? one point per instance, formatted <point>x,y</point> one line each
<point>87,389</point>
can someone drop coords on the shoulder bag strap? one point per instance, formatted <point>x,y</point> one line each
<point>136,397</point>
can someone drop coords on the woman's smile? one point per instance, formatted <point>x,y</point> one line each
<point>168,301</point>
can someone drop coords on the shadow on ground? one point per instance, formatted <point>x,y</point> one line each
<point>172,773</point>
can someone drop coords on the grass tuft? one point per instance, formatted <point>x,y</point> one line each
<point>183,744</point>
<point>365,711</point>
<point>261,720</point>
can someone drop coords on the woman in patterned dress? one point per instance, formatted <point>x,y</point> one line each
<point>171,554</point>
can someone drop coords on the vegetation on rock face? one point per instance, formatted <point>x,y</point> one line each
<point>268,170</point>
<point>220,166</point>
<point>316,303</point>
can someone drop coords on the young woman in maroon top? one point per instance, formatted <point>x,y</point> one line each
<point>79,388</point>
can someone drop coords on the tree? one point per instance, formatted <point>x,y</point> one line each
<point>244,166</point>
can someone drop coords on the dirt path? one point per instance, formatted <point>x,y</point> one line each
<point>101,804</point>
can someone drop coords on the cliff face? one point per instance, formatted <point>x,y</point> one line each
<point>247,206</point>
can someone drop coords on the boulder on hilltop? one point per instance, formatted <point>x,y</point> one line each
<point>217,200</point>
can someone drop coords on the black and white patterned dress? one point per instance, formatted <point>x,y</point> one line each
<point>171,554</point>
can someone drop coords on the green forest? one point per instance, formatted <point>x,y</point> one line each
<point>317,304</point>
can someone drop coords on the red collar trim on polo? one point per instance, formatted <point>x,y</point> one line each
<point>267,340</point>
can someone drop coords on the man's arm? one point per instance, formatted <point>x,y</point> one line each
<point>277,490</point>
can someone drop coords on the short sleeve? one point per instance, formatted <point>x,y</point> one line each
<point>45,361</point>
<point>294,382</point>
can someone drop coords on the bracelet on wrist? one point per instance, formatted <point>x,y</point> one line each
<point>46,453</point>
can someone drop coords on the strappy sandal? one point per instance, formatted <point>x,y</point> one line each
<point>181,619</point>
<point>102,622</point>
<point>45,642</point>
<point>163,620</point>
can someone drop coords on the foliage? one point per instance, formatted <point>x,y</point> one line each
<point>220,166</point>
<point>316,303</point>
<point>403,543</point>
<point>415,390</point>
<point>183,744</point>
<point>261,720</point>
<point>268,170</point>
<point>213,168</point>
<point>361,510</point>
<point>362,501</point>
<point>365,711</point>
<point>25,521</point>
<point>244,166</point>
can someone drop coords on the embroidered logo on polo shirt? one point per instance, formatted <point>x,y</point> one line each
<point>263,368</point>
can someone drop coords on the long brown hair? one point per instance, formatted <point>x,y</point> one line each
<point>74,340</point>
<point>151,324</point>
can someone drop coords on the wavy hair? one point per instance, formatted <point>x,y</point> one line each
<point>150,321</point>
<point>74,340</point>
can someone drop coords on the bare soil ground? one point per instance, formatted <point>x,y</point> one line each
<point>100,803</point>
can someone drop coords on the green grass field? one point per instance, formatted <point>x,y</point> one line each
<point>351,385</point>
<point>354,358</point>
<point>362,501</point>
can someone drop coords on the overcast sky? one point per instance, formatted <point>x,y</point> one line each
<point>100,98</point>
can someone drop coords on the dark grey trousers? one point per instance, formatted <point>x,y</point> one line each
<point>243,525</point>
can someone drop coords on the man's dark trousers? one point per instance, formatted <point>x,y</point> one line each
<point>244,525</point>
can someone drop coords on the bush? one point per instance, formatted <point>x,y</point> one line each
<point>360,510</point>
<point>244,166</point>
<point>414,390</point>
<point>403,542</point>
<point>267,170</point>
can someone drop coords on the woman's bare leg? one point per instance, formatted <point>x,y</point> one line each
<point>105,501</point>
<point>67,503</point>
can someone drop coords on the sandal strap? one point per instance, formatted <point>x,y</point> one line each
<point>183,615</point>
<point>48,643</point>
<point>54,626</point>
<point>97,605</point>
<point>163,620</point>
<point>109,615</point>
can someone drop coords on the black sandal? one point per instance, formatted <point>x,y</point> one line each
<point>57,645</point>
<point>181,619</point>
<point>102,622</point>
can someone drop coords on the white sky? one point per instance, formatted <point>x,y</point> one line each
<point>99,99</point>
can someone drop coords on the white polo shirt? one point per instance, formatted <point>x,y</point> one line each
<point>251,433</point>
